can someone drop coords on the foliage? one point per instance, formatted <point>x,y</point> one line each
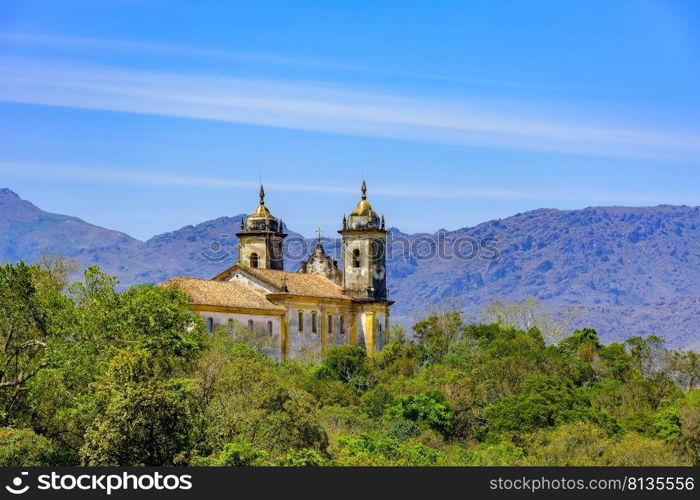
<point>140,420</point>
<point>241,454</point>
<point>543,402</point>
<point>26,309</point>
<point>429,407</point>
<point>100,377</point>
<point>345,363</point>
<point>23,447</point>
<point>301,458</point>
<point>437,334</point>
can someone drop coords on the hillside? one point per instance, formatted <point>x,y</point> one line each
<point>26,232</point>
<point>628,270</point>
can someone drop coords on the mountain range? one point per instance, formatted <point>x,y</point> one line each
<point>627,270</point>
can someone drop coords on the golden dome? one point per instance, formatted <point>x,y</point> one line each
<point>363,217</point>
<point>261,219</point>
<point>261,212</point>
<point>363,208</point>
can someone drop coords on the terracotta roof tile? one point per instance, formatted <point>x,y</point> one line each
<point>221,293</point>
<point>307,284</point>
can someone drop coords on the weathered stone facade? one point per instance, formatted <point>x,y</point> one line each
<point>319,262</point>
<point>364,253</point>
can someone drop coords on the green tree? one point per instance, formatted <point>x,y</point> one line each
<point>302,458</point>
<point>573,444</point>
<point>438,334</point>
<point>240,454</point>
<point>289,421</point>
<point>430,408</point>
<point>23,448</point>
<point>140,420</point>
<point>647,353</point>
<point>634,450</point>
<point>685,368</point>
<point>26,321</point>
<point>544,402</point>
<point>689,414</point>
<point>346,363</point>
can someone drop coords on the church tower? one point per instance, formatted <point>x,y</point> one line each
<point>364,253</point>
<point>261,239</point>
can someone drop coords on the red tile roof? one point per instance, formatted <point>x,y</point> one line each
<point>222,293</point>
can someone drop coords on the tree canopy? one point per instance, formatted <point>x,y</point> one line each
<point>90,375</point>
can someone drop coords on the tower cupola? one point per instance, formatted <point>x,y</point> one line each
<point>364,252</point>
<point>363,217</point>
<point>260,241</point>
<point>261,219</point>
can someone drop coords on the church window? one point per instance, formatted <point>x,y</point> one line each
<point>330,323</point>
<point>356,258</point>
<point>230,324</point>
<point>269,327</point>
<point>250,324</point>
<point>301,321</point>
<point>342,325</point>
<point>253,260</point>
<point>380,327</point>
<point>210,325</point>
<point>314,327</point>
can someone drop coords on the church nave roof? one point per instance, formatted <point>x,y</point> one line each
<point>222,294</point>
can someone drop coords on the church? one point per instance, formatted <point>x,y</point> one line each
<point>317,306</point>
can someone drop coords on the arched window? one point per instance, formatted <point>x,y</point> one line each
<point>230,324</point>
<point>210,325</point>
<point>330,323</point>
<point>356,258</point>
<point>342,325</point>
<point>314,328</point>
<point>380,327</point>
<point>253,259</point>
<point>301,321</point>
<point>250,324</point>
<point>269,327</point>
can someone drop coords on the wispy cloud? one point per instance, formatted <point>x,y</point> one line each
<point>325,108</point>
<point>125,177</point>
<point>91,44</point>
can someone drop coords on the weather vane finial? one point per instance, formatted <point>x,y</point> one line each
<point>262,194</point>
<point>364,190</point>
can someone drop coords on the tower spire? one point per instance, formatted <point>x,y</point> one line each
<point>262,194</point>
<point>364,190</point>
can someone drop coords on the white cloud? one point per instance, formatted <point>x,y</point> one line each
<point>321,107</point>
<point>111,176</point>
<point>166,49</point>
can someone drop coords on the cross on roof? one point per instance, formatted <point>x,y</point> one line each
<point>318,232</point>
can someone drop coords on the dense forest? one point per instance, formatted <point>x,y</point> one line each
<point>92,376</point>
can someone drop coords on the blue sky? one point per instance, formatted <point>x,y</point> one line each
<point>145,116</point>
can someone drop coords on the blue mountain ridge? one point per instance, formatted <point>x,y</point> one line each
<point>627,270</point>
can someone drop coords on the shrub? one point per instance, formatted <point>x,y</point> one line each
<point>23,448</point>
<point>429,407</point>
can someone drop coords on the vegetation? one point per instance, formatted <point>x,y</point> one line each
<point>92,376</point>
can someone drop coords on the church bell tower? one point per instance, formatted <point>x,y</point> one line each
<point>364,253</point>
<point>261,239</point>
